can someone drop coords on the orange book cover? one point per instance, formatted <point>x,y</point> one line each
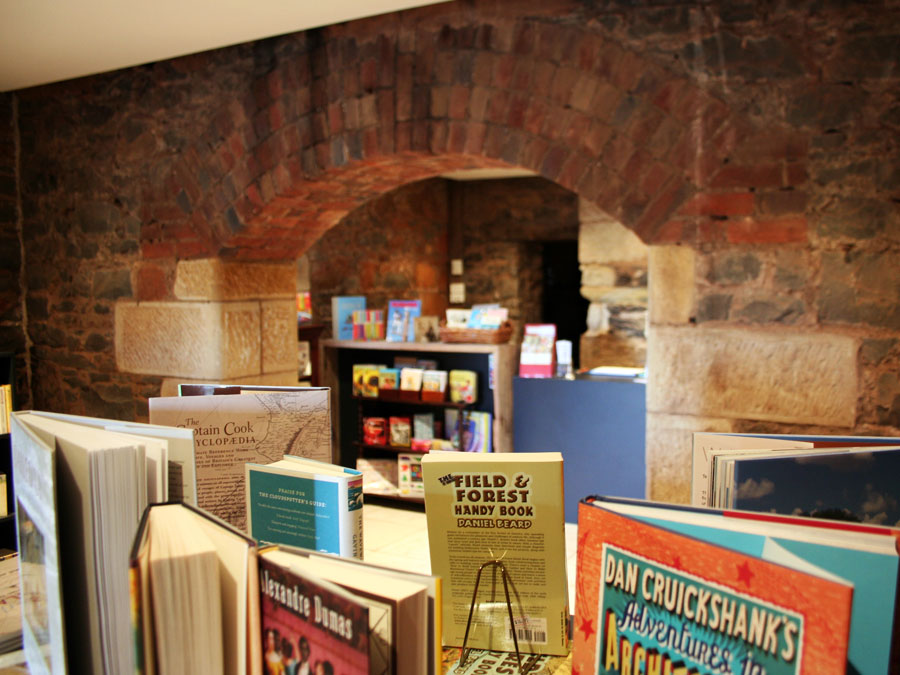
<point>651,600</point>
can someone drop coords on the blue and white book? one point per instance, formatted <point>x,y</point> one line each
<point>303,502</point>
<point>342,308</point>
<point>401,326</point>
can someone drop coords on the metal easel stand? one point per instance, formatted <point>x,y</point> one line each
<point>504,575</point>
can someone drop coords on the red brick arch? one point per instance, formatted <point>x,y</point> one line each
<point>369,106</point>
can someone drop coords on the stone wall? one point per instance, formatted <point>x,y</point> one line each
<point>754,147</point>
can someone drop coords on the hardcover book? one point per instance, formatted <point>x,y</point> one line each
<point>375,430</point>
<point>401,316</point>
<point>342,308</point>
<point>194,594</point>
<point>256,426</point>
<point>81,486</point>
<point>434,385</point>
<point>481,507</point>
<point>389,378</point>
<point>411,379</point>
<point>423,426</point>
<point>662,586</point>
<point>306,503</point>
<point>397,630</point>
<point>311,620</point>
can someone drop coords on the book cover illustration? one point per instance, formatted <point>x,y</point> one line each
<point>434,385</point>
<point>308,622</point>
<point>423,426</point>
<point>860,486</point>
<point>509,506</point>
<point>427,328</point>
<point>368,324</point>
<point>538,352</point>
<point>648,597</point>
<point>400,431</point>
<point>411,379</point>
<point>342,309</point>
<point>410,474</point>
<point>230,431</point>
<point>389,378</point>
<point>463,386</point>
<point>304,503</point>
<point>401,316</point>
<point>375,430</point>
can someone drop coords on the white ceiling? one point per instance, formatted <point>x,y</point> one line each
<point>45,41</point>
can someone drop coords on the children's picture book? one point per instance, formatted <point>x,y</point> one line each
<point>410,474</point>
<point>423,426</point>
<point>457,318</point>
<point>256,426</point>
<point>427,328</point>
<point>194,594</point>
<point>401,316</point>
<point>482,507</point>
<point>716,457</point>
<point>81,486</point>
<point>434,385</point>
<point>342,308</point>
<point>379,475</point>
<point>375,430</point>
<point>398,609</point>
<point>411,379</point>
<point>487,316</point>
<point>307,621</point>
<point>368,324</point>
<point>463,385</point>
<point>400,429</point>
<point>536,358</point>
<point>388,379</point>
<point>663,586</point>
<point>471,431</point>
<point>307,503</point>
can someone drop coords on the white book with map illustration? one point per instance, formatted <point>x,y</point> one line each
<point>250,425</point>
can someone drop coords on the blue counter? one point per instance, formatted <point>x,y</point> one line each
<point>598,424</point>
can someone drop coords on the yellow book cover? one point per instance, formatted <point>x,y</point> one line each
<point>463,386</point>
<point>507,507</point>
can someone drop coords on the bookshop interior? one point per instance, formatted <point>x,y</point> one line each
<point>465,336</point>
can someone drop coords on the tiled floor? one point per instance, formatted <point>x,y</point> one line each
<point>398,537</point>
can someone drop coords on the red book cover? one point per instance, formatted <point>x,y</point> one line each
<point>538,354</point>
<point>651,600</point>
<point>308,623</point>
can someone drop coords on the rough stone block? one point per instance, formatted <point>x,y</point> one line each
<point>671,273</point>
<point>777,376</point>
<point>214,279</point>
<point>608,241</point>
<point>188,339</point>
<point>279,336</point>
<point>668,458</point>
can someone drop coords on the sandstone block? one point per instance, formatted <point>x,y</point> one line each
<point>188,339</point>
<point>779,376</point>
<point>608,241</point>
<point>669,442</point>
<point>214,279</point>
<point>671,272</point>
<point>279,336</point>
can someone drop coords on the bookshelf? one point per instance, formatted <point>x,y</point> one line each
<point>8,521</point>
<point>493,363</point>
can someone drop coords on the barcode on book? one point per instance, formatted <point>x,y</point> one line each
<point>529,630</point>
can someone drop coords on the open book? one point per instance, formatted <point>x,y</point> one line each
<point>81,487</point>
<point>194,594</point>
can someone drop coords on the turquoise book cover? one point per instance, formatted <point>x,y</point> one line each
<point>322,513</point>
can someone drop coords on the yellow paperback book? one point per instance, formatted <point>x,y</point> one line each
<point>505,507</point>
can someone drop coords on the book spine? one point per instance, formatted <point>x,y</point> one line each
<point>351,544</point>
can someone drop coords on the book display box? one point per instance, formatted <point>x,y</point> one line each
<point>494,365</point>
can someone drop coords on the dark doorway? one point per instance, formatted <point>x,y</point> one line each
<point>563,303</point>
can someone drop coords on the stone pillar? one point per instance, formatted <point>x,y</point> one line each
<point>613,278</point>
<point>230,322</point>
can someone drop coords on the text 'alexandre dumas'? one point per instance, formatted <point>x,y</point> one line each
<point>495,500</point>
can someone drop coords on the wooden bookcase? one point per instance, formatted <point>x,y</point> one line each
<point>495,365</point>
<point>8,522</point>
